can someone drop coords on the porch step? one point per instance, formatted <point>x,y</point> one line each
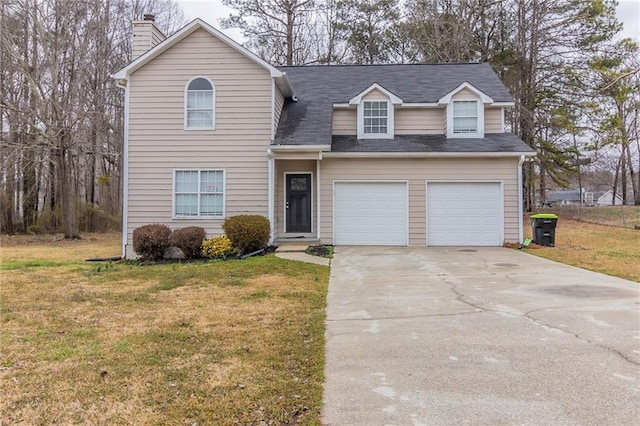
<point>297,248</point>
<point>293,245</point>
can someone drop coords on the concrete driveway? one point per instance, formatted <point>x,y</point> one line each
<point>486,336</point>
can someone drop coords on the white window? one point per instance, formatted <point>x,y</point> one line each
<point>465,117</point>
<point>375,117</point>
<point>375,120</point>
<point>198,193</point>
<point>199,104</point>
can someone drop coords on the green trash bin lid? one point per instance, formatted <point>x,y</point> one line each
<point>544,216</point>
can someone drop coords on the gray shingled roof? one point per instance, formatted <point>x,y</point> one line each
<point>317,88</point>
<point>492,142</point>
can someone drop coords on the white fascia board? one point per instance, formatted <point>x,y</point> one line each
<point>403,105</point>
<point>466,85</point>
<point>300,148</point>
<point>421,105</point>
<point>181,34</point>
<point>503,104</point>
<point>375,86</point>
<point>426,154</point>
<point>285,86</point>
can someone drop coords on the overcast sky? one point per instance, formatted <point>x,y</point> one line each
<point>212,10</point>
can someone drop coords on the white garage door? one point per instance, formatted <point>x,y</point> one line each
<point>464,214</point>
<point>370,213</point>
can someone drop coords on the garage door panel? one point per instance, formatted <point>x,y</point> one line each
<point>460,214</point>
<point>370,213</point>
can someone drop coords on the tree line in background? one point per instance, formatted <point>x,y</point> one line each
<point>61,114</point>
<point>575,82</point>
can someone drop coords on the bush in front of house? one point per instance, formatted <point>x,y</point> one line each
<point>247,233</point>
<point>151,241</point>
<point>218,248</point>
<point>189,240</point>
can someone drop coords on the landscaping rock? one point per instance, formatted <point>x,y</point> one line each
<point>174,253</point>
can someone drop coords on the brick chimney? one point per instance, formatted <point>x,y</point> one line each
<point>146,35</point>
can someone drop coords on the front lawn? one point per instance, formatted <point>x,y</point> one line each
<point>607,249</point>
<point>236,342</point>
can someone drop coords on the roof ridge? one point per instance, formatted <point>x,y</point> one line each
<point>380,65</point>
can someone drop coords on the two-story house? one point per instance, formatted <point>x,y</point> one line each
<point>408,155</point>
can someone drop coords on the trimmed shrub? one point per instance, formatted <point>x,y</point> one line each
<point>218,248</point>
<point>189,240</point>
<point>151,241</point>
<point>247,233</point>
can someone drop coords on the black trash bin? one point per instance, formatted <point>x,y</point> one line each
<point>544,229</point>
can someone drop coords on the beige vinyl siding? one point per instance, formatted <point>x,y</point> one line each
<point>408,121</point>
<point>375,95</point>
<point>493,120</point>
<point>156,36</point>
<point>417,171</point>
<point>444,121</point>
<point>158,143</point>
<point>292,166</point>
<point>279,103</point>
<point>465,94</point>
<point>145,36</point>
<point>419,121</point>
<point>345,121</point>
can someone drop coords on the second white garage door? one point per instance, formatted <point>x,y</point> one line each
<point>464,214</point>
<point>370,213</point>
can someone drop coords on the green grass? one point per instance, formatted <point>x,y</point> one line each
<point>236,342</point>
<point>34,263</point>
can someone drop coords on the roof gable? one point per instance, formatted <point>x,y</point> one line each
<point>375,86</point>
<point>466,85</point>
<point>184,32</point>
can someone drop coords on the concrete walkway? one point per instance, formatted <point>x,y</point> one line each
<point>488,336</point>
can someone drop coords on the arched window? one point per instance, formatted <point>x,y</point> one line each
<point>199,104</point>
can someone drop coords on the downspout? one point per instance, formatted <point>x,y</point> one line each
<point>270,168</point>
<point>520,201</point>
<point>270,193</point>
<point>318,196</point>
<point>125,167</point>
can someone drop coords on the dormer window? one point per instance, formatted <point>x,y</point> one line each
<point>375,112</point>
<point>375,117</point>
<point>465,117</point>
<point>465,111</point>
<point>199,105</point>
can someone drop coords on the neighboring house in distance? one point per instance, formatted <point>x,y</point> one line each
<point>568,197</point>
<point>607,199</point>
<point>571,197</point>
<point>407,155</point>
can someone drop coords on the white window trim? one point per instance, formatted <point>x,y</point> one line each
<point>390,121</point>
<point>480,124</point>
<point>199,217</point>
<point>391,99</point>
<point>213,107</point>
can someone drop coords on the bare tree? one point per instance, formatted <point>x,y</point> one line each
<point>278,30</point>
<point>61,115</point>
